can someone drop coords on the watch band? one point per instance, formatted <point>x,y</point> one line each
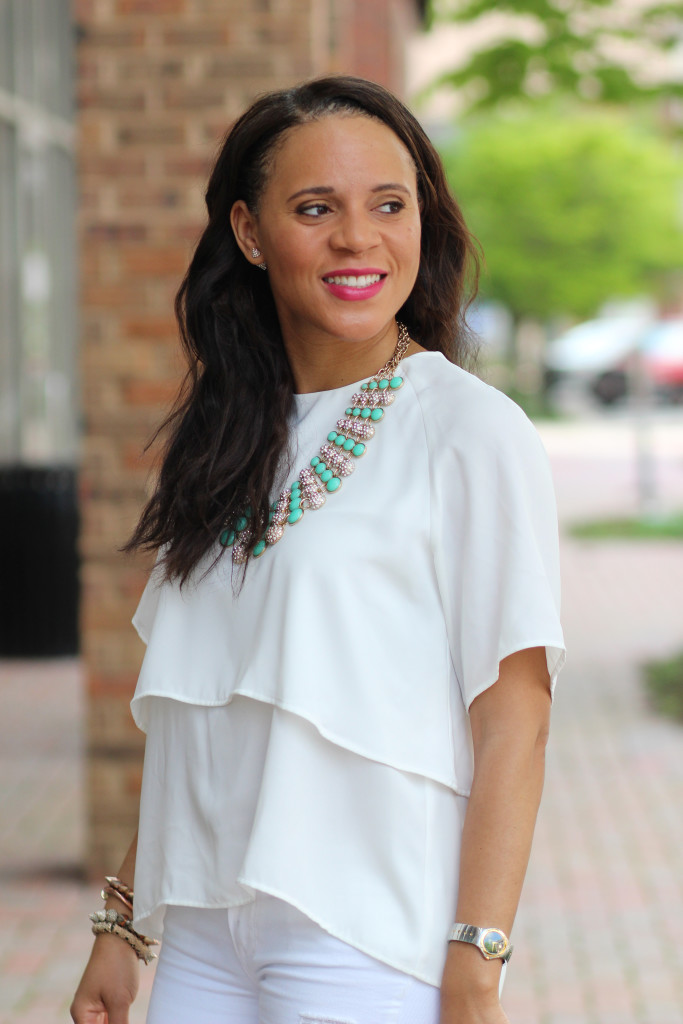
<point>492,943</point>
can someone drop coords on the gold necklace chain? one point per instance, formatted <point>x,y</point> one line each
<point>401,345</point>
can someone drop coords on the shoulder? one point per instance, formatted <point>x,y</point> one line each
<point>462,413</point>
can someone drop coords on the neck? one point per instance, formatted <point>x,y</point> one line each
<point>333,363</point>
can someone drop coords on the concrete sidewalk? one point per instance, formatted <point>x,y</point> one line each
<point>598,936</point>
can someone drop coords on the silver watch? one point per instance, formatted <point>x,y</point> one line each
<point>492,943</point>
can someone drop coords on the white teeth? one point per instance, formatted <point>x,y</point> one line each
<point>364,281</point>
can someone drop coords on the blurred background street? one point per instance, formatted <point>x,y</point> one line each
<point>598,934</point>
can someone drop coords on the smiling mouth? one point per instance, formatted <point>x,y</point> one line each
<point>349,281</point>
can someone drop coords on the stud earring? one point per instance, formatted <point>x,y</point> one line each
<point>256,253</point>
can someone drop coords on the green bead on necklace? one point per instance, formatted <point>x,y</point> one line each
<point>325,471</point>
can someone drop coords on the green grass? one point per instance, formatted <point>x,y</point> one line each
<point>536,405</point>
<point>664,686</point>
<point>664,528</point>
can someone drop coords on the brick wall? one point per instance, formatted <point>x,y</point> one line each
<point>158,82</point>
<point>368,36</point>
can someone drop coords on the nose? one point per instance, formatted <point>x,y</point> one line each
<point>355,232</point>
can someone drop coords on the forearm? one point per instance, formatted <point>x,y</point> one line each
<point>111,978</point>
<point>126,873</point>
<point>496,843</point>
<point>510,724</point>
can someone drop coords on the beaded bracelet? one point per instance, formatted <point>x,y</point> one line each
<point>113,917</point>
<point>120,887</point>
<point>110,891</point>
<point>115,923</point>
<point>137,943</point>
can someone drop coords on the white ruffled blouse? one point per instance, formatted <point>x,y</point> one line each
<point>309,738</point>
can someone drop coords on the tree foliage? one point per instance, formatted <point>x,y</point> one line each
<point>571,209</point>
<point>565,46</point>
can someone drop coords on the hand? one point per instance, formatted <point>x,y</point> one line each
<point>469,988</point>
<point>109,984</point>
<point>468,1008</point>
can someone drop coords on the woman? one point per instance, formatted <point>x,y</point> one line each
<point>346,691</point>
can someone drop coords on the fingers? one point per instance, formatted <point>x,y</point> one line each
<point>83,1012</point>
<point>118,1008</point>
<point>111,1010</point>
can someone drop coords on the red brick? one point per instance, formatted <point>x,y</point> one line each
<point>135,457</point>
<point>118,232</point>
<point>150,7</point>
<point>141,67</point>
<point>96,37</point>
<point>90,134</point>
<point>112,685</point>
<point>155,260</point>
<point>251,65</point>
<point>189,233</point>
<point>88,69</point>
<point>143,196</point>
<point>151,133</point>
<point>104,166</point>
<point>202,98</point>
<point>149,392</point>
<point>112,296</point>
<point>197,37</point>
<point>189,166</point>
<point>110,100</point>
<point>150,327</point>
<point>83,9</point>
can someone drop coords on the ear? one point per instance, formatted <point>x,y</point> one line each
<point>245,230</point>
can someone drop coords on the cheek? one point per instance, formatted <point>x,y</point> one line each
<point>295,251</point>
<point>411,245</point>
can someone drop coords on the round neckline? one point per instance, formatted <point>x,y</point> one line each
<point>302,398</point>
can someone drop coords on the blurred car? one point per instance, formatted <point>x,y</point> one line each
<point>597,355</point>
<point>662,354</point>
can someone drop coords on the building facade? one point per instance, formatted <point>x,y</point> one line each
<point>39,392</point>
<point>158,84</point>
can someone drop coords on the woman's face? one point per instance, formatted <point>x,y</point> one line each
<point>338,225</point>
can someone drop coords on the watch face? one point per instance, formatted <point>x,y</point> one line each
<point>494,942</point>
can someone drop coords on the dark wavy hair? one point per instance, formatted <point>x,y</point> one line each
<point>227,432</point>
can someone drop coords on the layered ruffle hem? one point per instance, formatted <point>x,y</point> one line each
<point>308,736</point>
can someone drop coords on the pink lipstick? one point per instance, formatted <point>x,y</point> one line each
<point>353,284</point>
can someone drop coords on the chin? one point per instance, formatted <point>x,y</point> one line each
<point>359,326</point>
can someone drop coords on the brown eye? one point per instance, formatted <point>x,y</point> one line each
<point>391,206</point>
<point>314,210</point>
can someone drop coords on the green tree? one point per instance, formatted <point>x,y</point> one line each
<point>579,47</point>
<point>570,209</point>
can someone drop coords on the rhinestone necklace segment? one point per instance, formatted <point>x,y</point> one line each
<point>335,460</point>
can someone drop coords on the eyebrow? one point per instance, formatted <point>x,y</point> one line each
<point>326,190</point>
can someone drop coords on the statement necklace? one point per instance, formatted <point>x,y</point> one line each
<point>335,460</point>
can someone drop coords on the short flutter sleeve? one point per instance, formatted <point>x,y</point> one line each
<point>494,532</point>
<point>148,605</point>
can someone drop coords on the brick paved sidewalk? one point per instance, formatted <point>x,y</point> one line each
<point>44,903</point>
<point>598,935</point>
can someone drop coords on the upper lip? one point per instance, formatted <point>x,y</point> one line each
<point>354,272</point>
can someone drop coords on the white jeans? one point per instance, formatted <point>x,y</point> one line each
<point>267,963</point>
